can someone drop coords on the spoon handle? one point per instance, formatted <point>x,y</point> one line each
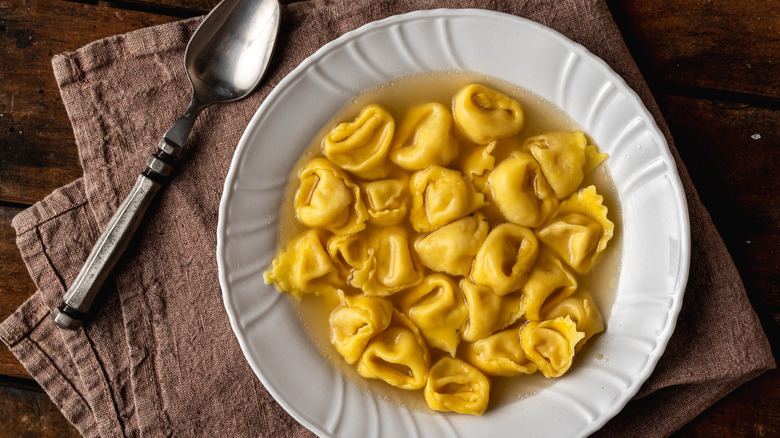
<point>115,237</point>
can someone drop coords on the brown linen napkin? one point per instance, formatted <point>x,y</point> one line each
<point>159,357</point>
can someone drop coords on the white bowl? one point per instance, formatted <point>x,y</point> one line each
<point>655,229</point>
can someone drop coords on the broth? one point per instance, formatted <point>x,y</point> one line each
<point>540,117</point>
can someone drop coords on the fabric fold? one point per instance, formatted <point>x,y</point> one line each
<point>42,351</point>
<point>159,357</point>
<point>52,235</point>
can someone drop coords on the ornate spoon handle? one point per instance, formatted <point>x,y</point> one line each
<point>114,239</point>
<point>123,224</point>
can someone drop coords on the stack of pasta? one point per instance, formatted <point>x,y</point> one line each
<point>453,247</point>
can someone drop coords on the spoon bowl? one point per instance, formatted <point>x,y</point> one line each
<point>225,60</point>
<point>227,57</point>
<point>229,53</point>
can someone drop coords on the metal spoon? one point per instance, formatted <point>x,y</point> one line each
<point>225,59</point>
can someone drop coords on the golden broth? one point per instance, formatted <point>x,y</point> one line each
<point>540,117</point>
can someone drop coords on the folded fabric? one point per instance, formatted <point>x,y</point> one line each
<point>159,357</point>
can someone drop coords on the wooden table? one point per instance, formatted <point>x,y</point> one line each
<point>713,66</point>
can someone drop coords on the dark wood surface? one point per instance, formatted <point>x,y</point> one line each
<point>713,66</point>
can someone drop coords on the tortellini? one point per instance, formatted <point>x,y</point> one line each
<point>327,198</point>
<point>387,201</point>
<point>485,114</point>
<point>304,267</point>
<point>425,138</point>
<point>592,159</point>
<point>379,261</point>
<point>561,156</point>
<point>451,248</point>
<point>440,196</point>
<point>479,163</point>
<point>579,230</point>
<point>500,354</point>
<point>361,146</point>
<point>397,355</point>
<point>521,191</point>
<point>488,311</point>
<point>550,344</point>
<point>549,283</point>
<point>355,322</point>
<point>505,258</point>
<point>438,308</point>
<point>448,248</point>
<point>455,386</point>
<point>581,308</point>
<point>350,252</point>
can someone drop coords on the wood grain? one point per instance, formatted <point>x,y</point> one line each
<point>37,152</point>
<point>183,8</point>
<point>37,149</point>
<point>693,43</point>
<point>750,411</point>
<point>748,218</point>
<point>26,411</point>
<point>721,45</point>
<point>713,67</point>
<point>173,7</point>
<point>732,152</point>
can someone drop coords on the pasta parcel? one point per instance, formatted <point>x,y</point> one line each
<point>452,243</point>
